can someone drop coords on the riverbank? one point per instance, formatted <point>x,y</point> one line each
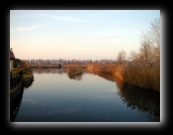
<point>144,77</point>
<point>147,78</point>
<point>112,72</point>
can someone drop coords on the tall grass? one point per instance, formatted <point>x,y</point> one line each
<point>74,69</point>
<point>113,70</point>
<point>142,76</point>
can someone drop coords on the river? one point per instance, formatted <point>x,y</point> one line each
<point>54,96</point>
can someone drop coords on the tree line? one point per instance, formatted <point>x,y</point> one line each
<point>64,61</point>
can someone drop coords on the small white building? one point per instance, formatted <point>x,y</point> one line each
<point>12,57</point>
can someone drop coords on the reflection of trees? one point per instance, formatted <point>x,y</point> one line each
<point>75,72</point>
<point>27,82</point>
<point>142,99</point>
<point>135,97</point>
<point>74,76</point>
<point>15,102</point>
<point>109,77</point>
<point>106,76</point>
<point>48,70</point>
<point>16,97</point>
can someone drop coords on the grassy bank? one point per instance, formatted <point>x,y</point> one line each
<point>74,69</point>
<point>112,69</point>
<point>111,72</point>
<point>145,77</point>
<point>148,78</point>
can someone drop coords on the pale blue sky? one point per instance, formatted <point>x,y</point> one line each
<point>77,34</point>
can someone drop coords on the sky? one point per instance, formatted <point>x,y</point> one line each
<point>77,34</point>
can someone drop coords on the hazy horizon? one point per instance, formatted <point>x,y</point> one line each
<point>77,34</point>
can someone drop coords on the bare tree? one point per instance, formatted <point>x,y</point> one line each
<point>121,58</point>
<point>133,56</point>
<point>152,39</point>
<point>145,54</point>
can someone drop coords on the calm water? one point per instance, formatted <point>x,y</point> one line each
<point>56,97</point>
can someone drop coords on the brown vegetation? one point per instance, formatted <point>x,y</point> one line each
<point>131,74</point>
<point>74,69</point>
<point>142,76</point>
<point>113,70</point>
<point>143,68</point>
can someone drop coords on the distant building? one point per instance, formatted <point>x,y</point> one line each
<point>12,57</point>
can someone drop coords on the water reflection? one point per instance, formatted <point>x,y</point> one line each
<point>27,82</point>
<point>15,102</point>
<point>109,77</point>
<point>142,99</point>
<point>137,98</point>
<point>77,77</point>
<point>88,100</point>
<point>16,97</point>
<point>71,74</point>
<point>48,70</point>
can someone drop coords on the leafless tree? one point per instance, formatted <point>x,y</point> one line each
<point>145,54</point>
<point>121,58</point>
<point>152,40</point>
